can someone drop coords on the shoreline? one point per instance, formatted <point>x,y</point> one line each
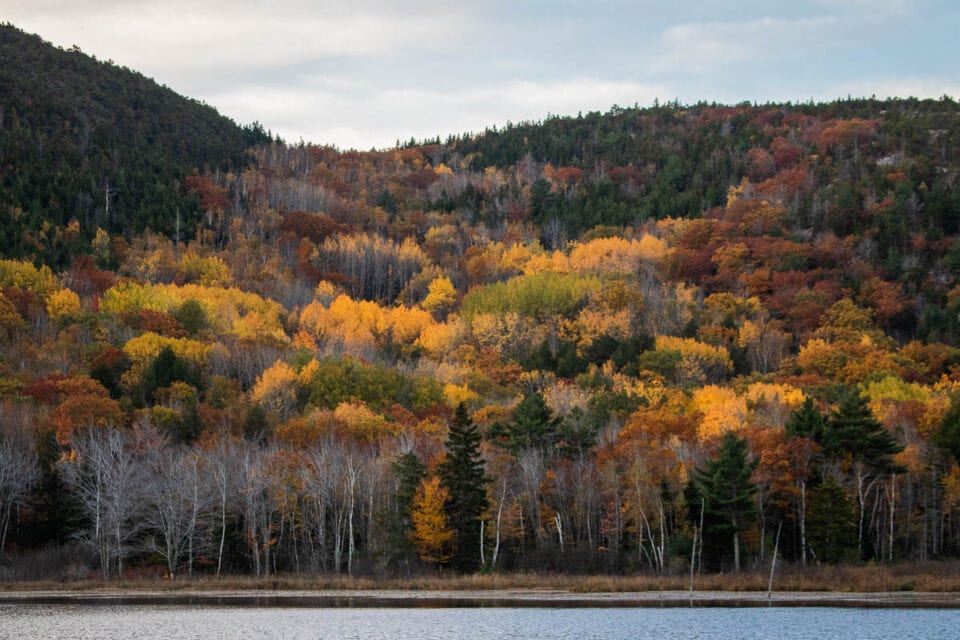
<point>512,598</point>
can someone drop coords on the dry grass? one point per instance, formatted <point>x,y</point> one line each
<point>921,577</point>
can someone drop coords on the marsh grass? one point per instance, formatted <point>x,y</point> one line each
<point>921,577</point>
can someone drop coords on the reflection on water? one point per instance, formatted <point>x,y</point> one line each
<point>123,622</point>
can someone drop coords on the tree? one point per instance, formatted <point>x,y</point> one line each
<point>532,425</point>
<point>727,492</point>
<point>807,422</point>
<point>855,438</point>
<point>462,474</point>
<point>19,472</point>
<point>830,523</point>
<point>408,471</point>
<point>179,498</point>
<point>104,476</point>
<point>947,435</point>
<point>431,531</point>
<point>853,432</point>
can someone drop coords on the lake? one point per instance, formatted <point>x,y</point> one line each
<point>126,622</point>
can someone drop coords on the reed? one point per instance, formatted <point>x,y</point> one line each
<point>941,576</point>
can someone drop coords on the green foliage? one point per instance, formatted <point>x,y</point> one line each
<point>166,369</point>
<point>852,432</point>
<point>540,295</point>
<point>532,425</point>
<point>379,386</point>
<point>408,471</point>
<point>727,491</point>
<point>100,144</point>
<point>831,525</point>
<point>807,422</point>
<point>947,435</point>
<point>191,316</point>
<point>462,473</point>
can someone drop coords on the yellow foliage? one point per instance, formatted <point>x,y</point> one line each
<point>362,324</point>
<point>722,410</point>
<point>276,389</point>
<point>23,275</point>
<point>442,337</point>
<point>209,271</point>
<point>441,296</point>
<point>227,310</point>
<point>326,292</point>
<point>143,350</point>
<point>509,334</point>
<point>363,423</point>
<point>454,394</point>
<point>63,303</point>
<point>616,255</point>
<point>515,257</point>
<point>766,392</point>
<point>431,534</point>
<point>697,358</point>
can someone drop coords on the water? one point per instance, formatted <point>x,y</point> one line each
<point>127,622</point>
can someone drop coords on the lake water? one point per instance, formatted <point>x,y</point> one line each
<point>128,622</point>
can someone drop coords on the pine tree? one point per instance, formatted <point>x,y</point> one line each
<point>462,474</point>
<point>532,425</point>
<point>807,422</point>
<point>409,471</point>
<point>831,525</point>
<point>727,493</point>
<point>853,432</point>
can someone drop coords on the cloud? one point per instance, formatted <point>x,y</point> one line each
<point>704,47</point>
<point>361,118</point>
<point>158,37</point>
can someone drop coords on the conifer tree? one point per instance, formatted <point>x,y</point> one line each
<point>853,432</point>
<point>462,475</point>
<point>727,492</point>
<point>807,422</point>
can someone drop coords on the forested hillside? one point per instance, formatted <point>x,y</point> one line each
<point>592,344</point>
<point>87,144</point>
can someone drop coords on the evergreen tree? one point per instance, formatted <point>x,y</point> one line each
<point>727,493</point>
<point>408,471</point>
<point>947,435</point>
<point>462,474</point>
<point>831,526</point>
<point>532,425</point>
<point>807,422</point>
<point>853,432</point>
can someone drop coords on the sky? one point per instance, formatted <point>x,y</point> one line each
<point>365,73</point>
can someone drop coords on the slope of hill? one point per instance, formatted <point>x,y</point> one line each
<point>561,343</point>
<point>88,141</point>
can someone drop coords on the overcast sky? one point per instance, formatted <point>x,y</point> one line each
<point>365,73</point>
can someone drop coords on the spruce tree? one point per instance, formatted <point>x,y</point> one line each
<point>853,432</point>
<point>831,524</point>
<point>462,474</point>
<point>532,425</point>
<point>727,493</point>
<point>807,422</point>
<point>408,471</point>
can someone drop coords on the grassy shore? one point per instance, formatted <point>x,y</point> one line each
<point>932,577</point>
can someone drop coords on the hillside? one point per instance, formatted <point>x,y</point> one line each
<point>88,141</point>
<point>604,343</point>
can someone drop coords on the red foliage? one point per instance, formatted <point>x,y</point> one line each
<point>86,278</point>
<point>213,197</point>
<point>315,226</point>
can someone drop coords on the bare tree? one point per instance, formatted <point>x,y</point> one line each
<point>19,472</point>
<point>104,474</point>
<point>179,497</point>
<point>222,466</point>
